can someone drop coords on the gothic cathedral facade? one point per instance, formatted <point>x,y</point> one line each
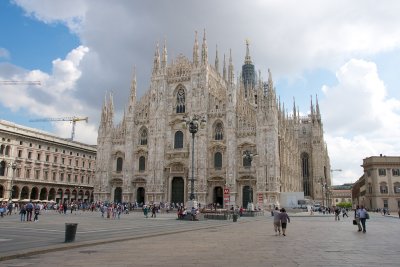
<point>249,150</point>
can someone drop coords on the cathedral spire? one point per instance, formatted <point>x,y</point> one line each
<point>247,59</point>
<point>224,69</point>
<point>156,63</point>
<point>294,109</point>
<point>317,107</point>
<point>216,59</point>
<point>195,51</point>
<point>312,109</point>
<point>204,50</point>
<point>110,110</point>
<point>230,68</point>
<point>164,56</point>
<point>132,97</point>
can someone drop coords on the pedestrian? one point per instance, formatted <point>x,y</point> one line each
<point>153,211</point>
<point>284,219</point>
<point>29,210</point>
<point>399,213</point>
<point>22,212</point>
<point>277,221</point>
<point>193,213</point>
<point>145,211</point>
<point>337,214</point>
<point>344,211</point>
<point>363,215</point>
<point>10,208</point>
<point>37,212</point>
<point>357,218</point>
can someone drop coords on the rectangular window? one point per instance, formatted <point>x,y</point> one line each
<point>37,174</point>
<point>38,156</point>
<point>76,163</point>
<point>382,172</point>
<point>70,162</point>
<point>396,188</point>
<point>76,178</point>
<point>54,176</point>
<point>29,155</point>
<point>82,179</point>
<point>47,158</point>
<point>61,177</point>
<point>46,175</point>
<point>28,173</point>
<point>69,178</point>
<point>63,160</point>
<point>385,203</point>
<point>19,153</point>
<point>83,164</point>
<point>90,165</point>
<point>396,172</point>
<point>18,172</point>
<point>55,159</point>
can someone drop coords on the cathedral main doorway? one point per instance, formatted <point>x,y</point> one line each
<point>218,196</point>
<point>118,195</point>
<point>178,190</point>
<point>247,195</point>
<point>140,193</point>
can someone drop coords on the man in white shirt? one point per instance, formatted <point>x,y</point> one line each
<point>277,221</point>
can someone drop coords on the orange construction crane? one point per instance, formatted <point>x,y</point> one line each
<point>71,119</point>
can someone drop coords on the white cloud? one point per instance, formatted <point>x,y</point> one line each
<point>360,120</point>
<point>4,53</point>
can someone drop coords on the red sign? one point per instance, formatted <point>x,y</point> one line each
<point>260,198</point>
<point>226,191</point>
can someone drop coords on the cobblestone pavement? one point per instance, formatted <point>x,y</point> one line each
<point>310,241</point>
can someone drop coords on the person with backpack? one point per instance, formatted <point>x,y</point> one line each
<point>22,212</point>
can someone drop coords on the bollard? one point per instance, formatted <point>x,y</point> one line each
<point>70,231</point>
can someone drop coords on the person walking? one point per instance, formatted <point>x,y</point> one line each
<point>284,219</point>
<point>337,214</point>
<point>363,214</point>
<point>37,212</point>
<point>22,212</point>
<point>145,211</point>
<point>277,221</point>
<point>29,210</point>
<point>357,218</point>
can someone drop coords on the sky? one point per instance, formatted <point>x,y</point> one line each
<point>347,53</point>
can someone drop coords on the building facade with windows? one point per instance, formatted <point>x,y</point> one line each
<point>379,186</point>
<point>146,157</point>
<point>38,166</point>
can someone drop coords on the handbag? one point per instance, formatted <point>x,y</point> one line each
<point>367,216</point>
<point>354,222</point>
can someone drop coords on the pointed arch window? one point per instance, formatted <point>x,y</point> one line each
<point>143,137</point>
<point>178,140</point>
<point>180,101</point>
<point>142,164</point>
<point>218,160</point>
<point>305,174</point>
<point>219,131</point>
<point>120,162</point>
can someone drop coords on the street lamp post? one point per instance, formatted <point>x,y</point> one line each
<point>193,123</point>
<point>248,156</point>
<point>13,166</point>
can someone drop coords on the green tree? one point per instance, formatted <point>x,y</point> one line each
<point>344,205</point>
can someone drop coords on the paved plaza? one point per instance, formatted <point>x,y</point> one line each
<point>165,241</point>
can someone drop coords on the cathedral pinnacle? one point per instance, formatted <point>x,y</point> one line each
<point>196,51</point>
<point>164,55</point>
<point>204,50</point>
<point>156,64</point>
<point>216,59</point>
<point>247,59</point>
